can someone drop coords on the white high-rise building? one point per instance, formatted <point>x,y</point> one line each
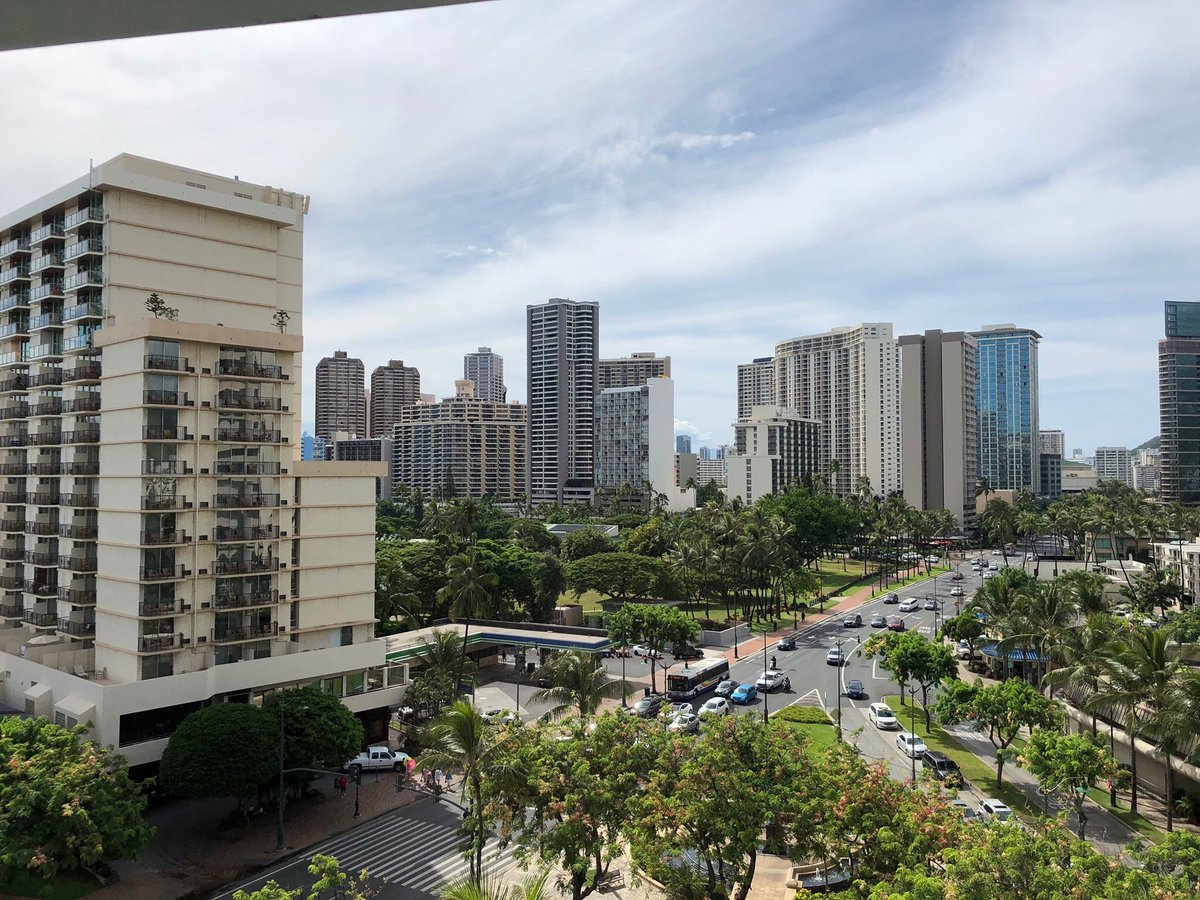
<point>755,385</point>
<point>1113,464</point>
<point>635,427</point>
<point>563,338</point>
<point>1145,470</point>
<point>486,369</point>
<point>773,449</point>
<point>632,370</point>
<point>848,379</point>
<point>163,546</point>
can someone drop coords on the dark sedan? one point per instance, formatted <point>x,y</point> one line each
<point>878,621</point>
<point>854,689</point>
<point>787,643</point>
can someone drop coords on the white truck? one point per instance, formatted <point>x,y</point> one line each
<point>376,759</point>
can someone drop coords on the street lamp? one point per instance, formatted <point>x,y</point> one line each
<point>279,842</point>
<point>764,696</point>
<point>912,728</point>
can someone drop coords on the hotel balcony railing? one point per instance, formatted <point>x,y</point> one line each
<point>166,502</point>
<point>53,230</point>
<point>237,467</point>
<point>81,436</point>
<point>16,300</point>
<point>16,273</point>
<point>51,437</point>
<point>82,403</point>
<point>48,376</point>
<point>16,245</point>
<point>227,534</point>
<point>11,525</point>
<point>82,248</point>
<point>158,538</point>
<point>249,370</point>
<point>157,643</point>
<point>165,467</point>
<point>165,363</point>
<point>163,608</point>
<point>223,600</point>
<point>13,554</point>
<point>41,619</point>
<point>77,629</point>
<point>12,611</point>
<point>245,501</point>
<point>43,528</point>
<point>92,309</point>
<point>31,352</point>
<point>41,558</point>
<point>244,566</point>
<point>85,215</point>
<point>82,564</point>
<point>82,467</point>
<point>48,289</point>
<point>83,279</point>
<point>20,439</point>
<point>165,433</point>
<point>14,328</point>
<point>78,596</point>
<point>12,496</point>
<point>249,633</point>
<point>41,588</point>
<point>12,468</point>
<point>51,407</point>
<point>46,261</point>
<point>78,531</point>
<point>12,582</point>
<point>14,383</point>
<point>243,436</point>
<point>80,501</point>
<point>229,400</point>
<point>78,342</point>
<point>42,498</point>
<point>165,398</point>
<point>52,319</point>
<point>16,411</point>
<point>164,573</point>
<point>84,372</point>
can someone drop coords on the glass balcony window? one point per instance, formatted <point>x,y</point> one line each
<point>14,328</point>
<point>82,436</point>
<point>80,500</point>
<point>165,398</point>
<point>53,230</point>
<point>78,531</point>
<point>245,500</point>
<point>246,436</point>
<point>84,372</point>
<point>163,573</point>
<point>94,213</point>
<point>78,342</point>
<point>15,300</point>
<point>77,563</point>
<point>240,467</point>
<point>16,273</point>
<point>165,363</point>
<point>90,309</point>
<point>46,289</point>
<point>158,643</point>
<point>166,433</point>
<point>81,248</point>
<point>48,376</point>
<point>89,402</point>
<point>46,261</point>
<point>16,245</point>
<point>83,279</point>
<point>249,369</point>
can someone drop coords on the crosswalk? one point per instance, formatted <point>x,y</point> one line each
<point>418,855</point>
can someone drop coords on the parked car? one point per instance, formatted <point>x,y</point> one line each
<point>882,717</point>
<point>643,650</point>
<point>834,656</point>
<point>854,689</point>
<point>680,709</point>
<point>909,605</point>
<point>648,707</point>
<point>854,620</point>
<point>957,591</point>
<point>686,651</point>
<point>716,706</point>
<point>964,808</point>
<point>744,693</point>
<point>773,680</point>
<point>895,623</point>
<point>500,716</point>
<point>991,808</point>
<point>377,759</point>
<point>892,598</point>
<point>787,643</point>
<point>725,688</point>
<point>688,723</point>
<point>962,649</point>
<point>997,553</point>
<point>879,621</point>
<point>910,744</point>
<point>943,768</point>
<point>933,558</point>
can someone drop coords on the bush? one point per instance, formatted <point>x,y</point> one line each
<point>808,715</point>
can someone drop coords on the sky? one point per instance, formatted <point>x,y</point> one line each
<point>720,176</point>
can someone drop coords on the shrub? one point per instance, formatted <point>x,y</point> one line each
<point>808,715</point>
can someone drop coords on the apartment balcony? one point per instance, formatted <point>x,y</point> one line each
<point>78,596</point>
<point>44,468</point>
<point>82,630</point>
<point>14,411</point>
<point>245,501</point>
<point>162,608</point>
<point>42,558</point>
<point>41,619</point>
<point>225,534</point>
<point>223,600</point>
<point>82,531</point>
<point>165,363</point>
<point>159,643</point>
<point>78,343</point>
<point>82,436</point>
<point>237,467</point>
<point>52,350</point>
<point>80,500</point>
<point>84,278</point>
<point>165,467</point>
<point>46,291</point>
<point>49,376</point>
<point>12,582</point>
<point>48,437</point>
<point>245,436</point>
<point>14,383</point>
<point>17,468</point>
<point>244,369</point>
<point>161,433</point>
<point>166,502</point>
<point>42,589</point>
<point>16,245</point>
<point>49,407</point>
<point>53,260</point>
<point>224,567</point>
<point>16,273</point>
<point>165,573</point>
<point>82,403</point>
<point>13,554</point>
<point>12,610</point>
<point>82,467</point>
<point>20,439</point>
<point>48,529</point>
<point>234,635</point>
<point>12,496</point>
<point>47,232</point>
<point>86,247</point>
<point>164,538</point>
<point>83,565</point>
<point>14,329</point>
<point>82,372</point>
<point>15,300</point>
<point>166,398</point>
<point>85,216</point>
<point>238,400</point>
<point>12,525</point>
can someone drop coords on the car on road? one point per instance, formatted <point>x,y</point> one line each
<point>943,768</point>
<point>964,808</point>
<point>933,558</point>
<point>930,603</point>
<point>773,680</point>
<point>962,649</point>
<point>891,598</point>
<point>909,605</point>
<point>879,621</point>
<point>910,744</point>
<point>854,689</point>
<point>643,650</point>
<point>989,575</point>
<point>991,808</point>
<point>956,591</point>
<point>882,717</point>
<point>688,723</point>
<point>997,553</point>
<point>787,643</point>
<point>725,688</point>
<point>854,620</point>
<point>686,651</point>
<point>500,716</point>
<point>716,706</point>
<point>957,576</point>
<point>377,759</point>
<point>744,693</point>
<point>895,623</point>
<point>834,656</point>
<point>680,709</point>
<point>648,707</point>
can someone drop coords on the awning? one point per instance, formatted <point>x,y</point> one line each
<point>1015,655</point>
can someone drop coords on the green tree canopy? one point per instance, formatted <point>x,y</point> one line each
<point>320,732</point>
<point>910,657</point>
<point>657,627</point>
<point>584,542</point>
<point>1066,765</point>
<point>621,576</point>
<point>224,750</point>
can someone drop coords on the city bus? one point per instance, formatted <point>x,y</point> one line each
<point>694,679</point>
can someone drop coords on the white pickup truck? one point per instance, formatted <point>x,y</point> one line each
<point>377,759</point>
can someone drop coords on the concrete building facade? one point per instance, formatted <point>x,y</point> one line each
<point>1179,404</point>
<point>1145,471</point>
<point>1051,479</point>
<point>848,379</point>
<point>486,369</point>
<point>634,428</point>
<point>163,546</point>
<point>939,437</point>
<point>463,447</point>
<point>755,385</point>
<point>1114,464</point>
<point>341,400</point>
<point>393,387</point>
<point>1052,440</point>
<point>631,371</point>
<point>1006,393</point>
<point>342,447</point>
<point>773,449</point>
<point>702,471</point>
<point>563,337</point>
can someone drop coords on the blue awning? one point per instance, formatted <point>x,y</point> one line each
<point>1014,655</point>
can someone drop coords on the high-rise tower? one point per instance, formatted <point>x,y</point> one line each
<point>340,396</point>
<point>1006,396</point>
<point>393,387</point>
<point>486,369</point>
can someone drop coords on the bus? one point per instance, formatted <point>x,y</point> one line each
<point>694,679</point>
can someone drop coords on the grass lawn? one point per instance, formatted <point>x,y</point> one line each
<point>63,887</point>
<point>820,735</point>
<point>912,579</point>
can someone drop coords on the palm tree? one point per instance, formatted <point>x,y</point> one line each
<point>444,653</point>
<point>395,595</point>
<point>1044,616</point>
<point>1083,660</point>
<point>461,741</point>
<point>463,515</point>
<point>1087,589</point>
<point>577,682</point>
<point>532,887</point>
<point>468,591</point>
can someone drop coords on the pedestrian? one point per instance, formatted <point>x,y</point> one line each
<point>437,779</point>
<point>773,661</point>
<point>345,783</point>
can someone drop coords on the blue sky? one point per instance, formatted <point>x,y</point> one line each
<point>719,175</point>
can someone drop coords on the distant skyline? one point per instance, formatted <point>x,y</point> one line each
<point>718,181</point>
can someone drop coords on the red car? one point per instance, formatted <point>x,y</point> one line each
<point>896,624</point>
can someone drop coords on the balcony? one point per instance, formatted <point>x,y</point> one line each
<point>14,329</point>
<point>47,290</point>
<point>43,351</point>
<point>244,566</point>
<point>16,468</point>
<point>12,496</point>
<point>250,633</point>
<point>46,261</point>
<point>42,528</point>
<point>160,538</point>
<point>16,245</point>
<point>238,400</point>
<point>46,232</point>
<point>78,342</point>
<point>237,467</point>
<point>225,534</point>
<point>44,589</point>
<point>82,467</point>
<point>42,558</point>
<point>164,433</point>
<point>158,643</point>
<point>165,502</point>
<point>245,501</point>
<point>16,273</point>
<point>85,216</point>
<point>243,436</point>
<point>52,319</point>
<point>85,278</point>
<point>165,398</point>
<point>84,565</point>
<point>245,369</point>
<point>42,498</point>
<point>15,411</point>
<point>80,501</point>
<point>92,309</point>
<point>19,382</point>
<point>52,376</point>
<point>224,600</point>
<point>78,596</point>
<point>89,402</point>
<point>12,525</point>
<point>13,554</point>
<point>164,573</point>
<point>165,363</point>
<point>83,248</point>
<point>84,630</point>
<point>82,372</point>
<point>41,619</point>
<point>15,300</point>
<point>165,467</point>
<point>20,439</point>
<point>12,611</point>
<point>82,436</point>
<point>78,531</point>
<point>12,582</point>
<point>51,407</point>
<point>162,608</point>
<point>51,437</point>
<point>44,468</point>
